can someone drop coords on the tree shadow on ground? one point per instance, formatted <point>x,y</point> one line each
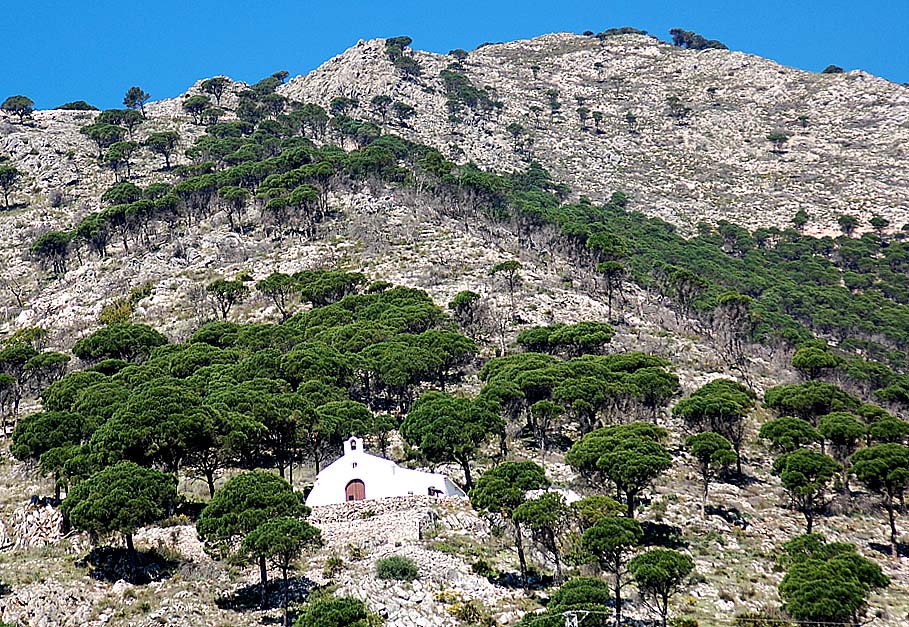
<point>191,509</point>
<point>731,515</point>
<point>661,534</point>
<point>512,580</point>
<point>740,480</point>
<point>107,563</point>
<point>554,441</point>
<point>13,206</point>
<point>249,597</point>
<point>902,549</point>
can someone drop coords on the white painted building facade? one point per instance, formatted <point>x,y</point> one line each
<point>358,476</point>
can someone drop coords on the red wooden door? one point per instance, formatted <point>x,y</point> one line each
<point>355,491</point>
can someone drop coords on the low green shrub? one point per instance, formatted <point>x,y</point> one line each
<point>397,567</point>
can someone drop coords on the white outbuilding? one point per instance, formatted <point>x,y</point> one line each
<point>358,476</point>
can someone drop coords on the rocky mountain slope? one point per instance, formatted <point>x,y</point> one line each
<point>847,140</point>
<point>847,137</point>
<point>847,132</point>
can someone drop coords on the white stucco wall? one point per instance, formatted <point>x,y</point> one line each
<point>381,478</point>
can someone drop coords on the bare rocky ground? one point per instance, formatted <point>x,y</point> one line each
<point>845,153</point>
<point>716,166</point>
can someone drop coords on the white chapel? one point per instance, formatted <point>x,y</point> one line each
<point>359,476</point>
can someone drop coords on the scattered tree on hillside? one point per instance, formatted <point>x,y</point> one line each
<point>613,274</point>
<point>630,456</point>
<point>847,224</point>
<point>120,498</point>
<point>135,98</point>
<point>659,574</point>
<point>687,39</point>
<point>466,309</point>
<point>787,434</point>
<point>225,294</point>
<point>610,541</point>
<point>806,476</point>
<point>234,200</point>
<point>279,288</point>
<point>813,360</point>
<point>246,502</point>
<point>778,140</point>
<point>120,154</point>
<point>720,406</point>
<point>54,246</point>
<point>447,428</point>
<point>129,119</point>
<point>77,105</point>
<point>380,104</point>
<point>827,583</point>
<point>511,271</point>
<point>195,105</point>
<point>215,87</point>
<point>884,468</point>
<point>809,400</point>
<point>9,175</point>
<point>41,432</point>
<point>843,432</point>
<point>502,490</point>
<point>714,455</point>
<point>163,143</point>
<point>281,541</point>
<point>546,516</point>
<point>21,106</point>
<point>103,135</point>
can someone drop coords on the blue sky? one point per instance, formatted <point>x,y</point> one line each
<point>63,50</point>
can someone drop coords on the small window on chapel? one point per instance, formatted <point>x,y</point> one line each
<point>353,465</point>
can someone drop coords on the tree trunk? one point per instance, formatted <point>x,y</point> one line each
<point>519,545</point>
<point>560,577</point>
<point>468,481</point>
<point>131,554</point>
<point>286,603</point>
<point>809,519</point>
<point>889,505</point>
<point>630,503</point>
<point>263,578</point>
<point>210,479</point>
<point>617,590</point>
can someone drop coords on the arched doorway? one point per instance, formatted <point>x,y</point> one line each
<point>355,491</point>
